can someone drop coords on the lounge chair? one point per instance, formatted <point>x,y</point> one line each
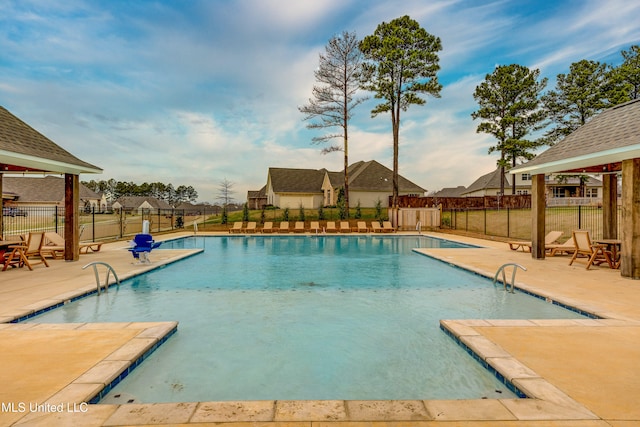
<point>344,227</point>
<point>375,227</point>
<point>267,227</point>
<point>549,239</point>
<point>331,227</point>
<point>567,247</point>
<point>387,227</point>
<point>143,244</point>
<point>596,254</point>
<point>237,227</point>
<point>251,227</point>
<point>314,227</point>
<point>21,252</point>
<point>362,227</point>
<point>299,227</point>
<point>284,227</point>
<point>54,245</point>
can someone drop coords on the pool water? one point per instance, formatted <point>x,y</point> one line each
<point>336,317</point>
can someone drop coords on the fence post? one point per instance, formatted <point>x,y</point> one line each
<point>485,220</point>
<point>579,217</point>
<point>508,222</point>
<point>93,223</point>
<point>56,218</point>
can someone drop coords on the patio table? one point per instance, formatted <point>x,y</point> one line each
<point>613,246</point>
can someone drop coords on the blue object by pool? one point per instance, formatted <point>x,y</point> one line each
<point>143,244</point>
<point>336,317</point>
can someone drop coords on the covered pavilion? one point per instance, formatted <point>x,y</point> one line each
<point>608,145</point>
<point>24,150</point>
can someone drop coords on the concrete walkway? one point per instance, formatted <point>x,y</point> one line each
<point>577,372</point>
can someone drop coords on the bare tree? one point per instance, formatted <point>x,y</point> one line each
<point>225,192</point>
<point>333,101</point>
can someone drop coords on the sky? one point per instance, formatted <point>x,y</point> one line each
<point>196,92</point>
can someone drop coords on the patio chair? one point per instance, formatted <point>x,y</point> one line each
<point>331,227</point>
<point>387,227</point>
<point>549,239</point>
<point>5,250</point>
<point>284,227</point>
<point>21,252</point>
<point>54,245</point>
<point>267,227</point>
<point>375,227</point>
<point>596,254</point>
<point>567,248</point>
<point>299,227</point>
<point>251,227</point>
<point>362,227</point>
<point>143,244</point>
<point>314,227</point>
<point>237,227</point>
<point>344,227</point>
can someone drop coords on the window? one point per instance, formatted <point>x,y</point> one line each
<point>526,177</point>
<point>591,192</point>
<point>522,192</point>
<point>558,192</point>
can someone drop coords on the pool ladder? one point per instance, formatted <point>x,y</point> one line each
<point>504,278</point>
<point>109,271</point>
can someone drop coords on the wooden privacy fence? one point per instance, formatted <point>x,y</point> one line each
<point>418,218</point>
<point>520,201</point>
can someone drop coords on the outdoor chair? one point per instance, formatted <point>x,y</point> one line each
<point>284,227</point>
<point>331,227</point>
<point>314,226</point>
<point>362,227</point>
<point>143,244</point>
<point>387,227</point>
<point>549,239</point>
<point>596,254</point>
<point>251,227</point>
<point>375,227</point>
<point>344,227</point>
<point>54,245</point>
<point>567,247</point>
<point>237,227</point>
<point>21,252</point>
<point>267,227</point>
<point>299,227</point>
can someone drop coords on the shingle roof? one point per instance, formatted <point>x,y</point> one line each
<point>134,202</point>
<point>489,180</point>
<point>450,192</point>
<point>363,176</point>
<point>610,137</point>
<point>28,149</point>
<point>284,180</point>
<point>47,189</point>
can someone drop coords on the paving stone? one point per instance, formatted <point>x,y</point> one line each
<point>457,410</point>
<point>387,410</point>
<point>310,410</point>
<point>156,413</point>
<point>208,412</point>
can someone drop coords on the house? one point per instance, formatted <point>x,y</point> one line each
<point>257,199</point>
<point>449,192</point>
<point>140,204</point>
<point>47,191</point>
<point>560,189</point>
<point>369,182</point>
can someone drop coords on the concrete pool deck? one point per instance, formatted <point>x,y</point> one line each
<point>578,372</point>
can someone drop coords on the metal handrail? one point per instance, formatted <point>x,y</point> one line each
<point>513,275</point>
<point>109,271</point>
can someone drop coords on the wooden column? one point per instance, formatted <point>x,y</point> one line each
<point>610,206</point>
<point>538,206</point>
<point>630,266</point>
<point>71,215</point>
<point>1,208</point>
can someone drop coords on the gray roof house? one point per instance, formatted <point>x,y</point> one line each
<point>368,182</point>
<point>45,191</point>
<point>140,204</point>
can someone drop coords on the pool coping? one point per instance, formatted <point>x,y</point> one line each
<point>545,400</point>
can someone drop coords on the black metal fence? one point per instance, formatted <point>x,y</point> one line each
<point>98,226</point>
<point>516,223</point>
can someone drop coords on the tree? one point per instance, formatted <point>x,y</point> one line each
<point>401,63</point>
<point>332,104</point>
<point>628,73</point>
<point>579,95</point>
<point>510,108</point>
<point>225,192</point>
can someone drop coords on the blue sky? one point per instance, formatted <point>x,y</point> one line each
<point>193,92</point>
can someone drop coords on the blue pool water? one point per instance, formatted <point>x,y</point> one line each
<point>336,317</point>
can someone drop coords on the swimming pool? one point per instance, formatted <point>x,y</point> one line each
<point>288,318</point>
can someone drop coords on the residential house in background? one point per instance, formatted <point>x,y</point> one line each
<point>140,204</point>
<point>47,191</point>
<point>257,199</point>
<point>560,189</point>
<point>369,182</point>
